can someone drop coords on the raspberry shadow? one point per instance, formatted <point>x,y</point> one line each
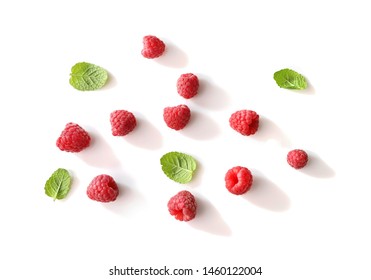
<point>266,194</point>
<point>201,127</point>
<point>208,218</point>
<point>173,56</point>
<point>210,95</point>
<point>130,202</point>
<point>99,153</point>
<point>145,135</point>
<point>268,130</point>
<point>317,167</point>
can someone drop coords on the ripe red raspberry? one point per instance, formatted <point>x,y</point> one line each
<point>183,206</point>
<point>187,85</point>
<point>238,180</point>
<point>177,117</point>
<point>152,47</point>
<point>297,158</point>
<point>73,138</point>
<point>122,122</point>
<point>103,188</point>
<point>245,122</point>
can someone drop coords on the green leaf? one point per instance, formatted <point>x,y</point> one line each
<point>86,76</point>
<point>289,79</point>
<point>58,185</point>
<point>178,167</point>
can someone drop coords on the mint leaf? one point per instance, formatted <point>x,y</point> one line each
<point>289,79</point>
<point>178,167</point>
<point>58,185</point>
<point>86,76</point>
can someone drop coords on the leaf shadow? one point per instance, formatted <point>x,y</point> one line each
<point>75,182</point>
<point>197,176</point>
<point>309,90</point>
<point>111,82</point>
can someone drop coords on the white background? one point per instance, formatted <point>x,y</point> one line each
<point>308,224</point>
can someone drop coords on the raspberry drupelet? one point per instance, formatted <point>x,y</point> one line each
<point>152,47</point>
<point>73,138</point>
<point>183,206</point>
<point>177,117</point>
<point>238,180</point>
<point>103,188</point>
<point>297,158</point>
<point>245,122</point>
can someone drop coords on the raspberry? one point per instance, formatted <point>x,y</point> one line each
<point>238,180</point>
<point>103,188</point>
<point>297,158</point>
<point>183,206</point>
<point>152,47</point>
<point>177,117</point>
<point>187,85</point>
<point>73,138</point>
<point>245,122</point>
<point>122,122</point>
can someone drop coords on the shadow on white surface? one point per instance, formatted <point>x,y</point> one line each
<point>201,127</point>
<point>99,153</point>
<point>75,183</point>
<point>197,176</point>
<point>111,82</point>
<point>266,194</point>
<point>316,167</point>
<point>128,201</point>
<point>145,135</point>
<point>173,57</point>
<point>211,96</point>
<point>310,89</point>
<point>268,130</point>
<point>208,219</point>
